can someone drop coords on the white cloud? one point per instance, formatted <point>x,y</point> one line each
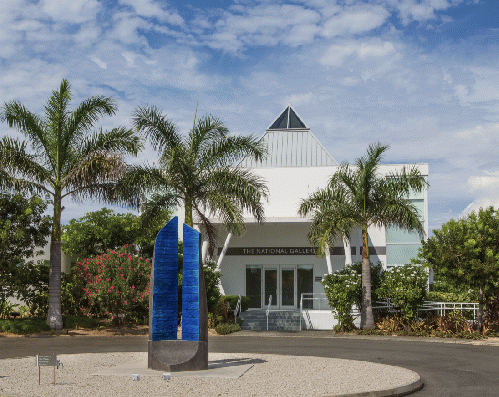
<point>98,62</point>
<point>30,82</point>
<point>349,81</point>
<point>354,20</point>
<point>125,28</point>
<point>488,181</point>
<point>414,10</point>
<point>88,34</point>
<point>264,25</point>
<point>299,99</point>
<point>75,11</point>
<point>152,9</point>
<point>480,132</point>
<point>337,54</point>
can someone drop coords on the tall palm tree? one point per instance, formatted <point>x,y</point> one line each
<point>197,171</point>
<point>360,197</point>
<point>66,159</point>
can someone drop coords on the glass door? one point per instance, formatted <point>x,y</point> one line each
<point>288,287</point>
<point>254,286</point>
<point>305,284</point>
<point>270,285</point>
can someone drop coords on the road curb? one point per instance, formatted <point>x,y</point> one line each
<point>394,392</point>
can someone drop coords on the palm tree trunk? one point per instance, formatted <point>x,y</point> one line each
<point>54,317</point>
<point>188,214</point>
<point>366,314</point>
<point>480,310</point>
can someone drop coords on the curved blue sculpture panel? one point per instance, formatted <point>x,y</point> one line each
<point>164,283</point>
<point>190,285</point>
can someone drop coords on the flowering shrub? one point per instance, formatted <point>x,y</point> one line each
<point>113,283</point>
<point>406,286</point>
<point>342,290</point>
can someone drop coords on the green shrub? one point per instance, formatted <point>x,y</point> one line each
<point>24,325</point>
<point>225,329</point>
<point>74,322</point>
<point>211,282</point>
<point>342,291</point>
<point>406,286</point>
<point>232,300</point>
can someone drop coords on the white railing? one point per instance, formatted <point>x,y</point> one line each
<point>237,310</point>
<point>268,311</point>
<point>321,297</point>
<point>442,307</point>
<point>309,296</point>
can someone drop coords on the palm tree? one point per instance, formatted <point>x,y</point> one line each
<point>359,197</point>
<point>66,159</point>
<point>198,172</point>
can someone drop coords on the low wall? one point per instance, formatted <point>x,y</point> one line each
<point>321,320</point>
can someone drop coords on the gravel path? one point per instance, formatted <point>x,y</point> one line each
<point>274,375</point>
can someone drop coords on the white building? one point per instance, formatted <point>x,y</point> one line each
<point>275,258</point>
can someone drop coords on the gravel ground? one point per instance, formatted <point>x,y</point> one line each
<point>273,375</point>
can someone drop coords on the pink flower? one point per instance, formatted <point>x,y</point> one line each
<point>133,286</point>
<point>108,279</point>
<point>122,275</point>
<point>112,287</point>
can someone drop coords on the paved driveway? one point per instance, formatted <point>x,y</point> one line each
<point>448,369</point>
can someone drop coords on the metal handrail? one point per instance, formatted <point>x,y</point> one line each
<point>268,311</point>
<point>237,309</point>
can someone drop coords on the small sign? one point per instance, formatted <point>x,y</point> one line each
<point>46,361</point>
<point>121,315</point>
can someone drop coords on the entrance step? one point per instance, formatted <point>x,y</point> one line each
<point>279,320</point>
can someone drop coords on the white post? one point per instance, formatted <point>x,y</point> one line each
<point>220,259</point>
<point>204,251</point>
<point>328,260</point>
<point>181,220</point>
<point>348,251</point>
<point>224,250</point>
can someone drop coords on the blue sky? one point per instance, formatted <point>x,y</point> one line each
<point>419,75</point>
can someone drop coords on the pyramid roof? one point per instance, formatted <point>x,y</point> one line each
<point>290,143</point>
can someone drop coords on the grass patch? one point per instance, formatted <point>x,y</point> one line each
<point>24,325</point>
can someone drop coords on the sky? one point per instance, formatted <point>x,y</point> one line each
<point>419,75</point>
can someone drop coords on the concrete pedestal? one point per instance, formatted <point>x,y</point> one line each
<point>177,355</point>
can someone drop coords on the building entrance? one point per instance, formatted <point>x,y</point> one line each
<point>284,283</point>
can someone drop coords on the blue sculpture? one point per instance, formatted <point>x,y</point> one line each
<point>165,352</point>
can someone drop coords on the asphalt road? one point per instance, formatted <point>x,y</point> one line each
<point>447,369</point>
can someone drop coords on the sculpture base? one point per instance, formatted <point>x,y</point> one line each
<point>177,355</point>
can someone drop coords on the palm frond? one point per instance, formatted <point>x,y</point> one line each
<point>98,167</point>
<point>155,205</point>
<point>229,150</point>
<point>18,163</point>
<point>83,118</point>
<point>240,186</point>
<point>156,127</point>
<point>140,180</point>
<point>208,129</point>
<point>29,124</point>
<point>118,140</point>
